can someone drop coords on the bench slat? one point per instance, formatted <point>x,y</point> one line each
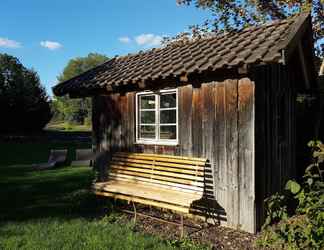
<point>176,167</point>
<point>145,202</point>
<point>157,177</point>
<point>162,168</point>
<point>149,192</point>
<point>155,172</point>
<point>171,185</point>
<point>163,158</point>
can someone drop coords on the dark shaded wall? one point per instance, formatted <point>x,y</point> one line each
<point>275,131</point>
<point>216,121</point>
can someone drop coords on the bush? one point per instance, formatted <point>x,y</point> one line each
<point>24,103</point>
<point>303,228</point>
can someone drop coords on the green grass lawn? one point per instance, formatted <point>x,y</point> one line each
<point>54,209</point>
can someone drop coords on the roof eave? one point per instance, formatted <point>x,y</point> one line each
<point>291,42</point>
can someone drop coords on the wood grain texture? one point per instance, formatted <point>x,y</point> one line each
<point>155,173</point>
<point>149,192</point>
<point>196,122</point>
<point>123,163</point>
<point>144,201</point>
<point>246,169</point>
<point>231,116</point>
<point>185,120</point>
<point>220,145</point>
<point>208,123</point>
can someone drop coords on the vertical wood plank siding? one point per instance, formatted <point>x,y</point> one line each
<point>216,121</point>
<point>246,151</point>
<point>231,121</point>
<point>275,104</point>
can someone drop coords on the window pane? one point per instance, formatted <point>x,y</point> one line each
<point>147,117</point>
<point>147,102</point>
<point>168,132</point>
<point>147,132</point>
<point>168,116</point>
<point>168,100</point>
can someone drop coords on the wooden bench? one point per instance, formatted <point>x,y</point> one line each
<point>164,181</point>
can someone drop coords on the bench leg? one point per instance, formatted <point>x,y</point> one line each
<point>181,227</point>
<point>134,206</point>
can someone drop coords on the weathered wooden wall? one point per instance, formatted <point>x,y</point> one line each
<point>275,131</point>
<point>216,121</point>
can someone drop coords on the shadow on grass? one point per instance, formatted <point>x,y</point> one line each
<point>55,209</point>
<point>26,194</point>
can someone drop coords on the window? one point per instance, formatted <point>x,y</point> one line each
<point>157,117</point>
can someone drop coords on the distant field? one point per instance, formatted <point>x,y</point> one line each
<point>55,209</point>
<point>63,126</point>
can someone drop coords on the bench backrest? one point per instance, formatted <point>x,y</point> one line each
<point>172,172</point>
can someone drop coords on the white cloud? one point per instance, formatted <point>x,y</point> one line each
<point>124,39</point>
<point>148,40</point>
<point>51,45</point>
<point>6,43</point>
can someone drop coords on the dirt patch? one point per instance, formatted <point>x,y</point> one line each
<point>215,236</point>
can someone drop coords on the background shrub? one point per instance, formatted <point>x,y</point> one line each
<point>298,224</point>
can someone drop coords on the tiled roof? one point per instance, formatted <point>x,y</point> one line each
<point>253,45</point>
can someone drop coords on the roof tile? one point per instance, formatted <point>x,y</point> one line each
<point>253,45</point>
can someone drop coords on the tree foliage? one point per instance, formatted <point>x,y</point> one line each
<point>76,110</point>
<point>233,14</point>
<point>78,65</point>
<point>23,101</point>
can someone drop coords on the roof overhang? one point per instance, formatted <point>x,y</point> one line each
<point>229,55</point>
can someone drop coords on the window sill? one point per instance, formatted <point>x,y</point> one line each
<point>160,143</point>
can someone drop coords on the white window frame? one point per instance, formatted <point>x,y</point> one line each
<point>157,125</point>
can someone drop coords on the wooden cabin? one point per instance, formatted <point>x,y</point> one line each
<point>229,99</point>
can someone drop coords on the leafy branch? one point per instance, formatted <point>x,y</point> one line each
<point>304,227</point>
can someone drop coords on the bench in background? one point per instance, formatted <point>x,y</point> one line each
<point>83,157</point>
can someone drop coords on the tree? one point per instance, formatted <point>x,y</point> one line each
<point>76,110</point>
<point>233,14</point>
<point>24,103</point>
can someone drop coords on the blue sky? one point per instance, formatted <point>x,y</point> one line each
<point>44,35</point>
